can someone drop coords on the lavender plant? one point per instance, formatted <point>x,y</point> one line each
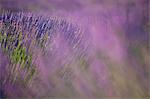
<point>22,33</point>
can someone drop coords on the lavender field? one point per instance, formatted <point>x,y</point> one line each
<point>74,49</point>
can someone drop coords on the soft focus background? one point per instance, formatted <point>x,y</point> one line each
<point>117,59</point>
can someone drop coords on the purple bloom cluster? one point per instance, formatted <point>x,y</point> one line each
<point>27,33</point>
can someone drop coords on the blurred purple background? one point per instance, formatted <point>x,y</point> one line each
<point>117,64</point>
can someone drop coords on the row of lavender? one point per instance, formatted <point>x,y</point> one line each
<point>22,33</point>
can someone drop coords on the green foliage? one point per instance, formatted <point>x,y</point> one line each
<point>1,37</point>
<point>19,53</point>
